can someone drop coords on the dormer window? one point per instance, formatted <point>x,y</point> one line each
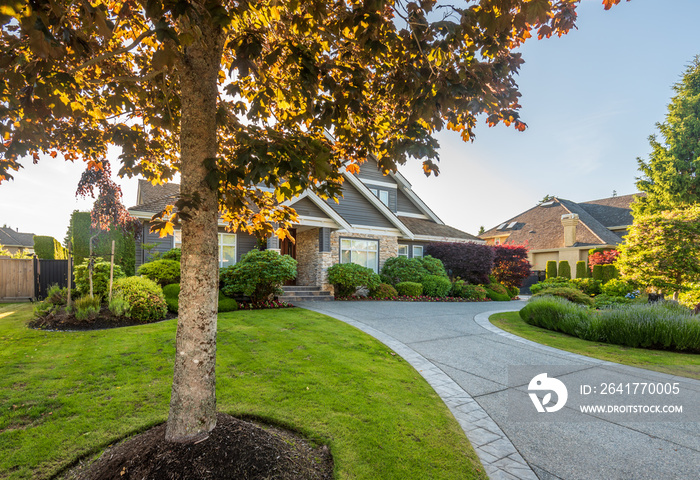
<point>383,195</point>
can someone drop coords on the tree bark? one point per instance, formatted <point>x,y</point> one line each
<point>193,400</point>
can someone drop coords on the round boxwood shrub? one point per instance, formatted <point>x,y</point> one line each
<point>496,296</point>
<point>227,304</point>
<point>402,269</point>
<point>346,278</point>
<point>409,289</point>
<point>433,266</point>
<point>571,294</point>
<point>145,297</point>
<point>100,277</point>
<point>383,291</point>
<point>259,275</point>
<point>163,272</point>
<point>436,286</point>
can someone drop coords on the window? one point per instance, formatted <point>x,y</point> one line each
<point>382,194</point>
<point>403,251</point>
<point>227,249</point>
<point>417,251</point>
<point>361,252</point>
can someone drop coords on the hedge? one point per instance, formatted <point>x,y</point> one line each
<point>581,269</point>
<point>48,248</point>
<point>564,269</point>
<point>551,269</point>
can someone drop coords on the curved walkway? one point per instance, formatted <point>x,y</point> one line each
<point>467,361</point>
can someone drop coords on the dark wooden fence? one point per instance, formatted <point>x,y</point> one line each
<point>50,272</point>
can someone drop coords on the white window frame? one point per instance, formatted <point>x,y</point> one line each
<point>222,245</point>
<point>352,241</point>
<point>382,195</point>
<point>177,239</point>
<point>415,248</point>
<point>403,247</point>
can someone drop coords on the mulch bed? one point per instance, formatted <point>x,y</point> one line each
<point>62,320</point>
<point>235,449</point>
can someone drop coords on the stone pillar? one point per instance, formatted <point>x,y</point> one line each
<point>569,222</point>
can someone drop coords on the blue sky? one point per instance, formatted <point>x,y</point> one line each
<point>590,99</point>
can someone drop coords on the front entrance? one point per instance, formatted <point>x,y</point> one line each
<point>287,247</point>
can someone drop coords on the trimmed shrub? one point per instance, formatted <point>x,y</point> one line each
<point>571,294</point>
<point>86,307</point>
<point>560,315</point>
<point>589,286</point>
<point>259,275</point>
<point>691,297</point>
<point>564,269</point>
<point>433,266</point>
<point>513,292</point>
<point>227,304</point>
<point>462,289</point>
<point>383,291</point>
<point>49,248</point>
<point>402,269</point>
<point>498,288</point>
<point>510,265</point>
<point>551,282</point>
<point>100,277</point>
<point>163,272</point>
<point>581,269</point>
<point>172,293</point>
<point>471,262</point>
<point>609,272</point>
<point>346,278</point>
<point>598,273</point>
<point>551,269</point>
<point>618,288</point>
<point>495,296</point>
<point>436,286</point>
<point>145,297</point>
<point>409,289</point>
<point>173,254</point>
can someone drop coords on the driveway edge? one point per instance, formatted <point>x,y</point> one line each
<point>499,457</point>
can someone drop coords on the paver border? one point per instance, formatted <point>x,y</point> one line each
<point>500,458</point>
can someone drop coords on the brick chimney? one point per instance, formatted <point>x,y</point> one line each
<point>569,222</point>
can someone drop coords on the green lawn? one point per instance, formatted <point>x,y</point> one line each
<point>682,364</point>
<point>68,395</point>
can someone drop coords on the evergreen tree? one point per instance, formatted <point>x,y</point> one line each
<point>670,176</point>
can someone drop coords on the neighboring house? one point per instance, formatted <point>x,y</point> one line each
<point>560,229</point>
<point>15,241</point>
<point>378,217</point>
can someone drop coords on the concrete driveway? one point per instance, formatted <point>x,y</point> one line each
<point>483,374</point>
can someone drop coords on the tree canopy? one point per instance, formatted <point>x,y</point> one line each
<point>662,250</point>
<point>253,103</point>
<point>671,176</point>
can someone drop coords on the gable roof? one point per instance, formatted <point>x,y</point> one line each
<point>427,228</point>
<point>541,225</point>
<point>154,198</point>
<point>13,238</point>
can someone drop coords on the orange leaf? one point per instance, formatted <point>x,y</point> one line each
<point>353,168</point>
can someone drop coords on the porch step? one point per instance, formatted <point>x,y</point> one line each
<point>304,294</point>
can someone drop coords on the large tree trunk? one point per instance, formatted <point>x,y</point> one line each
<point>193,401</point>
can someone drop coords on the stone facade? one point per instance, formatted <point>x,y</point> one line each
<point>388,245</point>
<point>307,256</point>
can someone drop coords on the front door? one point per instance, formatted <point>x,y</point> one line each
<point>289,248</point>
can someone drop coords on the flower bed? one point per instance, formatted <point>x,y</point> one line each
<point>405,298</point>
<point>267,304</point>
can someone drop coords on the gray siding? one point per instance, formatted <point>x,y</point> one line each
<point>391,191</point>
<point>357,210</point>
<point>308,208</point>
<point>406,205</point>
<point>162,244</point>
<point>244,244</point>
<point>369,172</point>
